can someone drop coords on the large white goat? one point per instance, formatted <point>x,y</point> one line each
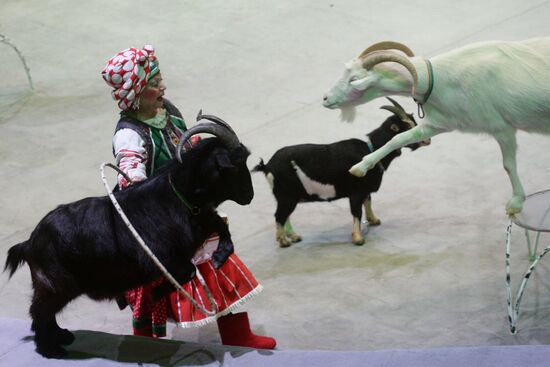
<point>490,87</point>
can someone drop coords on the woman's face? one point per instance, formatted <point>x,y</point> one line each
<point>151,97</point>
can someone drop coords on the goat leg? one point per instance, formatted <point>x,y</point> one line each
<point>369,213</point>
<point>508,146</point>
<point>225,245</point>
<point>414,135</point>
<point>290,233</point>
<point>355,203</point>
<point>48,336</point>
<point>285,207</point>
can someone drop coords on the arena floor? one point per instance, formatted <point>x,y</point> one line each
<point>432,275</point>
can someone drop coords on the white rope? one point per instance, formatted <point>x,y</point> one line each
<point>7,41</point>
<point>150,253</point>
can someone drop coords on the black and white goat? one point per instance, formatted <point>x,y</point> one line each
<point>319,172</point>
<point>85,248</point>
<point>494,88</point>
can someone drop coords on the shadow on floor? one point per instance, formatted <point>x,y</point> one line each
<point>133,349</point>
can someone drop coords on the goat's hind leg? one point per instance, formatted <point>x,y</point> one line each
<point>49,337</point>
<point>508,146</point>
<point>63,336</point>
<point>290,233</point>
<point>285,207</point>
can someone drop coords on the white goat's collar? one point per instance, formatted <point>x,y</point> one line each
<point>420,103</point>
<point>371,148</point>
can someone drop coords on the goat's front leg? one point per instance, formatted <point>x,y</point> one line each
<point>225,245</point>
<point>355,208</point>
<point>508,146</point>
<point>414,135</point>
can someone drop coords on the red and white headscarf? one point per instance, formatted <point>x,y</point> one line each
<point>127,73</point>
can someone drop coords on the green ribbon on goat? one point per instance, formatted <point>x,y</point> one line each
<point>431,80</point>
<point>194,209</point>
<point>428,92</point>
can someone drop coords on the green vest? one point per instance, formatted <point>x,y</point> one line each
<point>165,142</point>
<point>160,144</point>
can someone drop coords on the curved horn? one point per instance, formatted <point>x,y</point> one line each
<point>394,102</point>
<point>400,113</point>
<point>370,61</point>
<point>229,139</point>
<point>215,119</point>
<point>387,45</point>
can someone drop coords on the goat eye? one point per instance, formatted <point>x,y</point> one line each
<point>394,127</point>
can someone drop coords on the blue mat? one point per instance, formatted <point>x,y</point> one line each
<point>93,348</point>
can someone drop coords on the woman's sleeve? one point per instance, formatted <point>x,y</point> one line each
<point>130,155</point>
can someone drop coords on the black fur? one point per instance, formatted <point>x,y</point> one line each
<point>329,164</point>
<point>85,248</point>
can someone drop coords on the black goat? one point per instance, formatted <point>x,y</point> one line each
<point>85,248</point>
<point>319,172</point>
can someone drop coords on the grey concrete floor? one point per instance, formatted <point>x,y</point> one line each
<point>431,275</point>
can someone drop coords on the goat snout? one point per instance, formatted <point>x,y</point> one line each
<point>245,198</point>
<point>328,103</point>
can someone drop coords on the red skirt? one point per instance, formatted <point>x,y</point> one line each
<point>230,286</point>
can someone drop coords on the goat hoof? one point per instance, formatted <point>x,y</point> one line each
<point>374,222</point>
<point>56,352</point>
<point>358,240</point>
<point>65,337</point>
<point>284,243</point>
<point>294,237</point>
<point>358,171</point>
<point>515,205</point>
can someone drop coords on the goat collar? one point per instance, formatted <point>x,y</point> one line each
<point>194,209</point>
<point>371,148</point>
<point>428,92</point>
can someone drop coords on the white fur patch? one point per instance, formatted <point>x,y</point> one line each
<point>270,179</point>
<point>312,187</point>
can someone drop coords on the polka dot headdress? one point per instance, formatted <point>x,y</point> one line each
<point>127,73</point>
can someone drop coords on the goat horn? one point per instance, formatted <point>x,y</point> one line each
<point>387,45</point>
<point>229,139</point>
<point>400,113</point>
<point>372,60</point>
<point>394,102</point>
<point>214,119</point>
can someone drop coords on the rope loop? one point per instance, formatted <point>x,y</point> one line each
<point>157,262</point>
<point>421,113</point>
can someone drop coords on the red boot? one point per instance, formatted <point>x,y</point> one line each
<point>235,330</point>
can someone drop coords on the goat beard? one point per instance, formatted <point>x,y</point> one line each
<point>347,113</point>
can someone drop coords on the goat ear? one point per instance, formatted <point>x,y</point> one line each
<point>360,84</point>
<point>223,161</point>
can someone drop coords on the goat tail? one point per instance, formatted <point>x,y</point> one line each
<point>16,257</point>
<point>261,167</point>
